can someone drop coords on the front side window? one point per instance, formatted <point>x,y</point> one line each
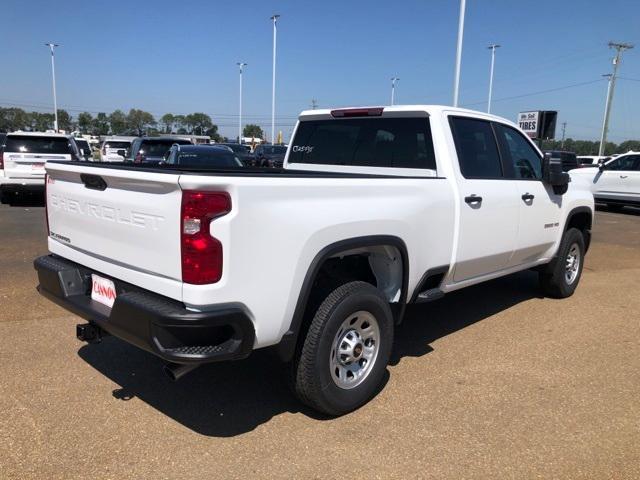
<point>526,162</point>
<point>476,148</point>
<point>623,163</point>
<point>364,142</point>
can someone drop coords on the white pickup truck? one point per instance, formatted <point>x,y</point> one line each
<point>375,208</point>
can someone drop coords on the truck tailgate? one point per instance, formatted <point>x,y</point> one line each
<point>122,218</point>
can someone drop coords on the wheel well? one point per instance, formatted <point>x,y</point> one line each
<point>380,266</point>
<point>379,260</point>
<point>582,220</point>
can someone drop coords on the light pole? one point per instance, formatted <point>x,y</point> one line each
<point>53,76</point>
<point>456,80</point>
<point>620,47</point>
<point>241,65</point>
<point>394,80</point>
<point>491,47</point>
<point>274,18</point>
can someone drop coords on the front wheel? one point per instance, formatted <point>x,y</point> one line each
<point>345,353</point>
<point>560,278</point>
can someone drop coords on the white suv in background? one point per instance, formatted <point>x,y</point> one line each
<point>110,147</point>
<point>23,158</point>
<point>615,182</point>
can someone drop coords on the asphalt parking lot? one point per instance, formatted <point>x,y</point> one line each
<point>490,382</point>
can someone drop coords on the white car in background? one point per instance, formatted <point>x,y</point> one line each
<point>111,146</point>
<point>23,158</point>
<point>591,160</point>
<point>615,182</point>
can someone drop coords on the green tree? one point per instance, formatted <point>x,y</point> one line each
<point>167,121</point>
<point>252,130</point>
<point>85,122</point>
<point>198,123</point>
<point>213,133</point>
<point>140,121</point>
<point>118,122</point>
<point>101,124</point>
<point>64,121</point>
<point>627,145</point>
<point>178,124</point>
<point>40,122</point>
<point>13,119</point>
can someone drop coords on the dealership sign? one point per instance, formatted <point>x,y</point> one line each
<point>539,124</point>
<point>528,123</point>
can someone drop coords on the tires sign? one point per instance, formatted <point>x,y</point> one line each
<point>529,122</point>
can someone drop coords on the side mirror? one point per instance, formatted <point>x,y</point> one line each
<point>553,175</point>
<point>602,167</point>
<point>122,153</point>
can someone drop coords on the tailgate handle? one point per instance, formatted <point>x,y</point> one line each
<point>94,182</point>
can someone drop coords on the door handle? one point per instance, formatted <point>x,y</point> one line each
<point>624,176</point>
<point>473,199</point>
<point>528,197</point>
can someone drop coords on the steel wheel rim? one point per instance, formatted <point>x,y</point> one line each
<point>354,350</point>
<point>572,264</point>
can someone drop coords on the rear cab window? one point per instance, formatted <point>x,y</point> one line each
<point>477,148</point>
<point>42,145</point>
<point>384,142</point>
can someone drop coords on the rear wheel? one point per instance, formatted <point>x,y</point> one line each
<point>344,355</point>
<point>560,278</point>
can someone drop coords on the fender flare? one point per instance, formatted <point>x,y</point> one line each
<point>287,345</point>
<point>572,213</point>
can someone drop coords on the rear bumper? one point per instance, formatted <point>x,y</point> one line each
<point>149,321</point>
<point>22,183</point>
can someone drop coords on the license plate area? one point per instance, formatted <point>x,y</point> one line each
<point>103,290</point>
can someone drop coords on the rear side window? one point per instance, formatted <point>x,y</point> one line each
<point>44,145</point>
<point>365,142</point>
<point>476,148</point>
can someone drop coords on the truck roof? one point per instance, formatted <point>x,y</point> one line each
<point>325,113</point>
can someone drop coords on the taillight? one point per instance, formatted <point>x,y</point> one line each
<point>1,159</point>
<point>201,252</point>
<point>138,158</point>
<point>104,150</point>
<point>357,112</point>
<point>47,180</point>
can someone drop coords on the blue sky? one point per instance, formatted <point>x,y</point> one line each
<point>181,57</point>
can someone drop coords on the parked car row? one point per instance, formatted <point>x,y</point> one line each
<point>23,156</point>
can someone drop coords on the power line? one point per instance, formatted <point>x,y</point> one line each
<point>540,92</point>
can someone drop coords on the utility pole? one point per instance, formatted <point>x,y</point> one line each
<point>564,126</point>
<point>620,47</point>
<point>274,18</point>
<point>456,79</point>
<point>53,77</point>
<point>241,65</point>
<point>314,104</point>
<point>491,47</point>
<point>394,80</point>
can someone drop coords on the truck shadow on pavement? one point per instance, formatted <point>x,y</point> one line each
<point>229,399</point>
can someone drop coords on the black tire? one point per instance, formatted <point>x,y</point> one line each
<point>553,277</point>
<point>311,375</point>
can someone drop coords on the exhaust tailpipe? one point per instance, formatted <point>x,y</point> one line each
<point>175,371</point>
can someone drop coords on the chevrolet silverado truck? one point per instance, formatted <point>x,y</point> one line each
<point>373,209</point>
